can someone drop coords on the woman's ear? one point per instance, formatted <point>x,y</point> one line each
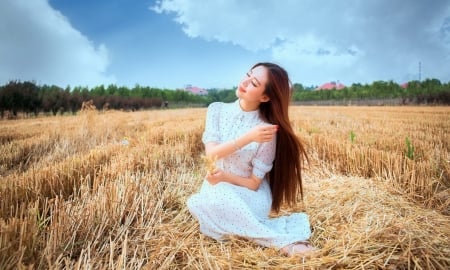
<point>264,98</point>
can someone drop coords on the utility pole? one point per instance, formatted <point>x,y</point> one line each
<point>420,70</point>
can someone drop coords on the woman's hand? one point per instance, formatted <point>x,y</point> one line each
<point>263,133</point>
<point>216,176</point>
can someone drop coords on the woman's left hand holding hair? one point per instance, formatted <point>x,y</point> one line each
<point>262,133</point>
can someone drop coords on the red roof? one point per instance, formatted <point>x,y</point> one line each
<point>330,86</point>
<point>196,90</point>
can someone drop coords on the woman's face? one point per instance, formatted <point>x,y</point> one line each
<point>252,86</point>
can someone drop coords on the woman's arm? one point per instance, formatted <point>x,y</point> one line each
<point>260,134</point>
<point>219,175</point>
<point>219,151</point>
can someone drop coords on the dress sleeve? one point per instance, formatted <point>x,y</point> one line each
<point>211,133</point>
<point>263,161</point>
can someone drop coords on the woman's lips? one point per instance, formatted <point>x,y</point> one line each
<point>241,89</point>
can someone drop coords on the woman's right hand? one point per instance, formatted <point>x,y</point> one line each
<point>262,133</point>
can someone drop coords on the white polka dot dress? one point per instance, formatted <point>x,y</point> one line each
<point>225,209</point>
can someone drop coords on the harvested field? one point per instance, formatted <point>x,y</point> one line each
<point>108,190</point>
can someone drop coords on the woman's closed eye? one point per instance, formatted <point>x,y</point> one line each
<point>253,80</point>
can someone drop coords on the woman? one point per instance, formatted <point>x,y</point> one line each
<point>258,166</point>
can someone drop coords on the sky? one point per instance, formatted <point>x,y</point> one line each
<point>211,44</point>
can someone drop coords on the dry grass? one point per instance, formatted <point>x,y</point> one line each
<point>108,191</point>
<point>371,142</point>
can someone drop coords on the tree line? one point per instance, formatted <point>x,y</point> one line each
<point>31,99</point>
<point>429,91</point>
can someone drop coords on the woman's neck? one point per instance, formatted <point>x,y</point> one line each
<point>248,106</point>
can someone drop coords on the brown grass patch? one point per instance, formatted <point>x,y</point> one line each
<point>85,199</point>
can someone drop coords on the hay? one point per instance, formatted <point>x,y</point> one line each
<point>108,205</point>
<point>359,223</point>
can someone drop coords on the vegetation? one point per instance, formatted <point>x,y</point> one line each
<point>107,190</point>
<point>430,91</point>
<point>29,98</point>
<point>409,148</point>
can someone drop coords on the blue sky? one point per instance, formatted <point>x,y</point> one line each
<point>172,43</point>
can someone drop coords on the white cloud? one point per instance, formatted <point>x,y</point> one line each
<point>351,41</point>
<point>238,22</point>
<point>312,51</point>
<point>40,44</point>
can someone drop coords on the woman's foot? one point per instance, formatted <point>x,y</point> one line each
<point>299,248</point>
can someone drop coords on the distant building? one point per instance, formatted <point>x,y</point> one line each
<point>331,86</point>
<point>196,90</point>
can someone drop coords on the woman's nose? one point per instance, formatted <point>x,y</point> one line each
<point>245,81</point>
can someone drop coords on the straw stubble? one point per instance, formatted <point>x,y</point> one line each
<point>93,202</point>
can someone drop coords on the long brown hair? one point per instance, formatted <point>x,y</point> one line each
<point>285,178</point>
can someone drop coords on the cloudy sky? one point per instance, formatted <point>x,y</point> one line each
<point>172,43</point>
